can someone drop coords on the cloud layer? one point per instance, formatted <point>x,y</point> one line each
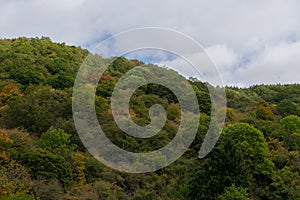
<point>251,42</point>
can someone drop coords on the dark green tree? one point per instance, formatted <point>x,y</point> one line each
<point>43,164</point>
<point>241,157</point>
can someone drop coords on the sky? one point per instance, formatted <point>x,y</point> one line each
<point>250,41</point>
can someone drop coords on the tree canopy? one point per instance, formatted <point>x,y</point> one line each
<point>42,157</point>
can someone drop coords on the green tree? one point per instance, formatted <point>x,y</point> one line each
<point>106,86</point>
<point>291,123</point>
<point>56,141</point>
<point>230,115</point>
<point>144,195</point>
<point>93,169</point>
<point>109,190</point>
<point>285,185</point>
<point>288,107</point>
<point>42,163</point>
<point>9,93</point>
<point>203,100</point>
<point>264,112</point>
<point>41,108</point>
<point>19,196</point>
<point>241,157</point>
<point>234,193</point>
<point>291,131</point>
<point>14,143</point>
<point>5,144</point>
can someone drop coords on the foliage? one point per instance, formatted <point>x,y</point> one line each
<point>143,195</point>
<point>78,167</point>
<point>108,190</point>
<point>5,144</point>
<point>19,196</point>
<point>44,164</point>
<point>14,179</point>
<point>291,128</point>
<point>42,107</point>
<point>288,107</point>
<point>48,189</point>
<point>56,141</point>
<point>93,169</point>
<point>285,185</point>
<point>234,193</point>
<point>241,157</point>
<point>81,191</point>
<point>38,60</point>
<point>230,115</point>
<point>264,112</point>
<point>256,157</point>
<point>291,123</point>
<point>13,144</point>
<point>9,93</point>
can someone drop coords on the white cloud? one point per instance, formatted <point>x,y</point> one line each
<point>276,64</point>
<point>223,56</point>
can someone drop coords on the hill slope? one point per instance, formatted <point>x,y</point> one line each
<point>42,156</point>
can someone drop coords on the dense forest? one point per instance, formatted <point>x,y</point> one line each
<point>42,157</point>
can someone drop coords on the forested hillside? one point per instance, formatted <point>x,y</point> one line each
<point>42,157</point>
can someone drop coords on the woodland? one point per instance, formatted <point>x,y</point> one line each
<point>42,157</point>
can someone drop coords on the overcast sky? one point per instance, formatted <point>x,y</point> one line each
<point>251,42</point>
